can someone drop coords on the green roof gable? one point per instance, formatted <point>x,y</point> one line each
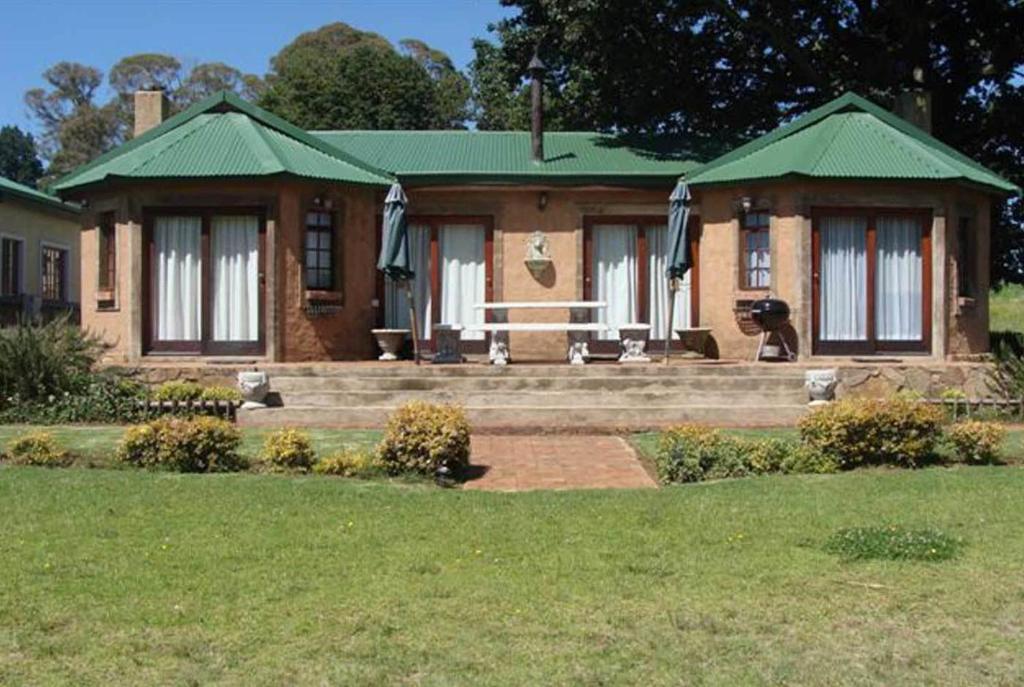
<point>848,138</point>
<point>224,136</point>
<point>505,156</point>
<point>27,193</point>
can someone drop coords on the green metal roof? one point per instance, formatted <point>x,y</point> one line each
<point>848,138</point>
<point>23,192</point>
<point>224,136</point>
<point>505,156</point>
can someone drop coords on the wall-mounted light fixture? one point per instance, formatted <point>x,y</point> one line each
<point>542,200</point>
<point>747,203</point>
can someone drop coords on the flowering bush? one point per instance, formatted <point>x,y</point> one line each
<point>976,441</point>
<point>199,444</point>
<point>897,431</point>
<point>181,391</point>
<point>36,448</point>
<point>288,449</point>
<point>422,437</point>
<point>347,463</point>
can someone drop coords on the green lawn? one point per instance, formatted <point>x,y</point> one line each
<point>134,577</point>
<point>98,443</point>
<point>1006,309</point>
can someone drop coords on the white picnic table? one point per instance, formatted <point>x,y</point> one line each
<point>579,327</point>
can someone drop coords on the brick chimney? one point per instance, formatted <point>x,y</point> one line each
<point>915,103</point>
<point>536,69</point>
<point>151,108</point>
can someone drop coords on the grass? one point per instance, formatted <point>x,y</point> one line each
<point>97,443</point>
<point>134,577</point>
<point>1006,309</point>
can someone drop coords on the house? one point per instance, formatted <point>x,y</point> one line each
<point>226,231</point>
<point>39,256</point>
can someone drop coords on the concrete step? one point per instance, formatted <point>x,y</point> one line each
<point>749,383</point>
<point>544,399</point>
<point>536,370</point>
<point>553,418</point>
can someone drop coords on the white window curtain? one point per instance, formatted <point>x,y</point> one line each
<point>844,276</point>
<point>178,292</point>
<point>235,246</point>
<point>759,260</point>
<point>898,279</point>
<point>614,276</point>
<point>396,305</point>
<point>463,276</point>
<point>657,287</point>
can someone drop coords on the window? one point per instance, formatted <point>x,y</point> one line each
<point>107,252</point>
<point>755,251</point>
<point>319,250</point>
<point>10,267</point>
<point>966,258</point>
<point>54,276</point>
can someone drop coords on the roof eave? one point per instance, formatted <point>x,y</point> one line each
<point>52,204</point>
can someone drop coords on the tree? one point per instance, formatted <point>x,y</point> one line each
<point>18,159</point>
<point>339,77</point>
<point>75,129</point>
<point>722,71</point>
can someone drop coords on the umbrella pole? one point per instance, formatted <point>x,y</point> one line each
<point>671,311</point>
<point>415,323</point>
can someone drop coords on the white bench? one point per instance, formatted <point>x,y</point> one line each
<point>579,327</point>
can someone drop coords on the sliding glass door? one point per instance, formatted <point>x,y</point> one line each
<point>453,260</point>
<point>872,280</point>
<point>624,266</point>
<point>205,290</point>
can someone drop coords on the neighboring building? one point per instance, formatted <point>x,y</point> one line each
<point>228,231</point>
<point>39,256</point>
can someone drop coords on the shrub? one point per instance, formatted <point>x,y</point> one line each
<point>892,543</point>
<point>858,432</point>
<point>176,390</point>
<point>347,463</point>
<point>976,441</point>
<point>38,362</point>
<point>422,437</point>
<point>692,453</point>
<point>764,456</point>
<point>288,449</point>
<point>220,393</point>
<point>802,459</point>
<point>37,448</point>
<point>106,398</point>
<point>200,444</point>
<point>1007,375</point>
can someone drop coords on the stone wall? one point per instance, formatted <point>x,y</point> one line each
<point>881,380</point>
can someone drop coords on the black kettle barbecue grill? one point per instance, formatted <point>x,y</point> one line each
<point>771,314</point>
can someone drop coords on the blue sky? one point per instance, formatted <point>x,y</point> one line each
<point>245,34</point>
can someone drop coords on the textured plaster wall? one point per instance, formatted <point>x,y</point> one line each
<point>35,225</point>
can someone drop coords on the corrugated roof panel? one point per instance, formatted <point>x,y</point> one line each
<point>508,154</point>
<point>13,188</point>
<point>847,138</point>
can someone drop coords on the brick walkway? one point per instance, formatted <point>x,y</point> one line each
<point>521,463</point>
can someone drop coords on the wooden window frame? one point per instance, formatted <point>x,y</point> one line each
<point>745,232</point>
<point>63,257</point>
<point>332,232</point>
<point>641,222</point>
<point>871,345</point>
<point>106,260</point>
<point>434,224</point>
<point>19,268</point>
<point>206,345</point>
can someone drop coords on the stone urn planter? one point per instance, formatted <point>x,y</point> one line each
<point>390,342</point>
<point>821,386</point>
<point>633,340</point>
<point>254,385</point>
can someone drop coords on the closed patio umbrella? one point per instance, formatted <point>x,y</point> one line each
<point>679,259</point>
<point>394,259</point>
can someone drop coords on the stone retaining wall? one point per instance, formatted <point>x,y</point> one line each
<point>880,380</point>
